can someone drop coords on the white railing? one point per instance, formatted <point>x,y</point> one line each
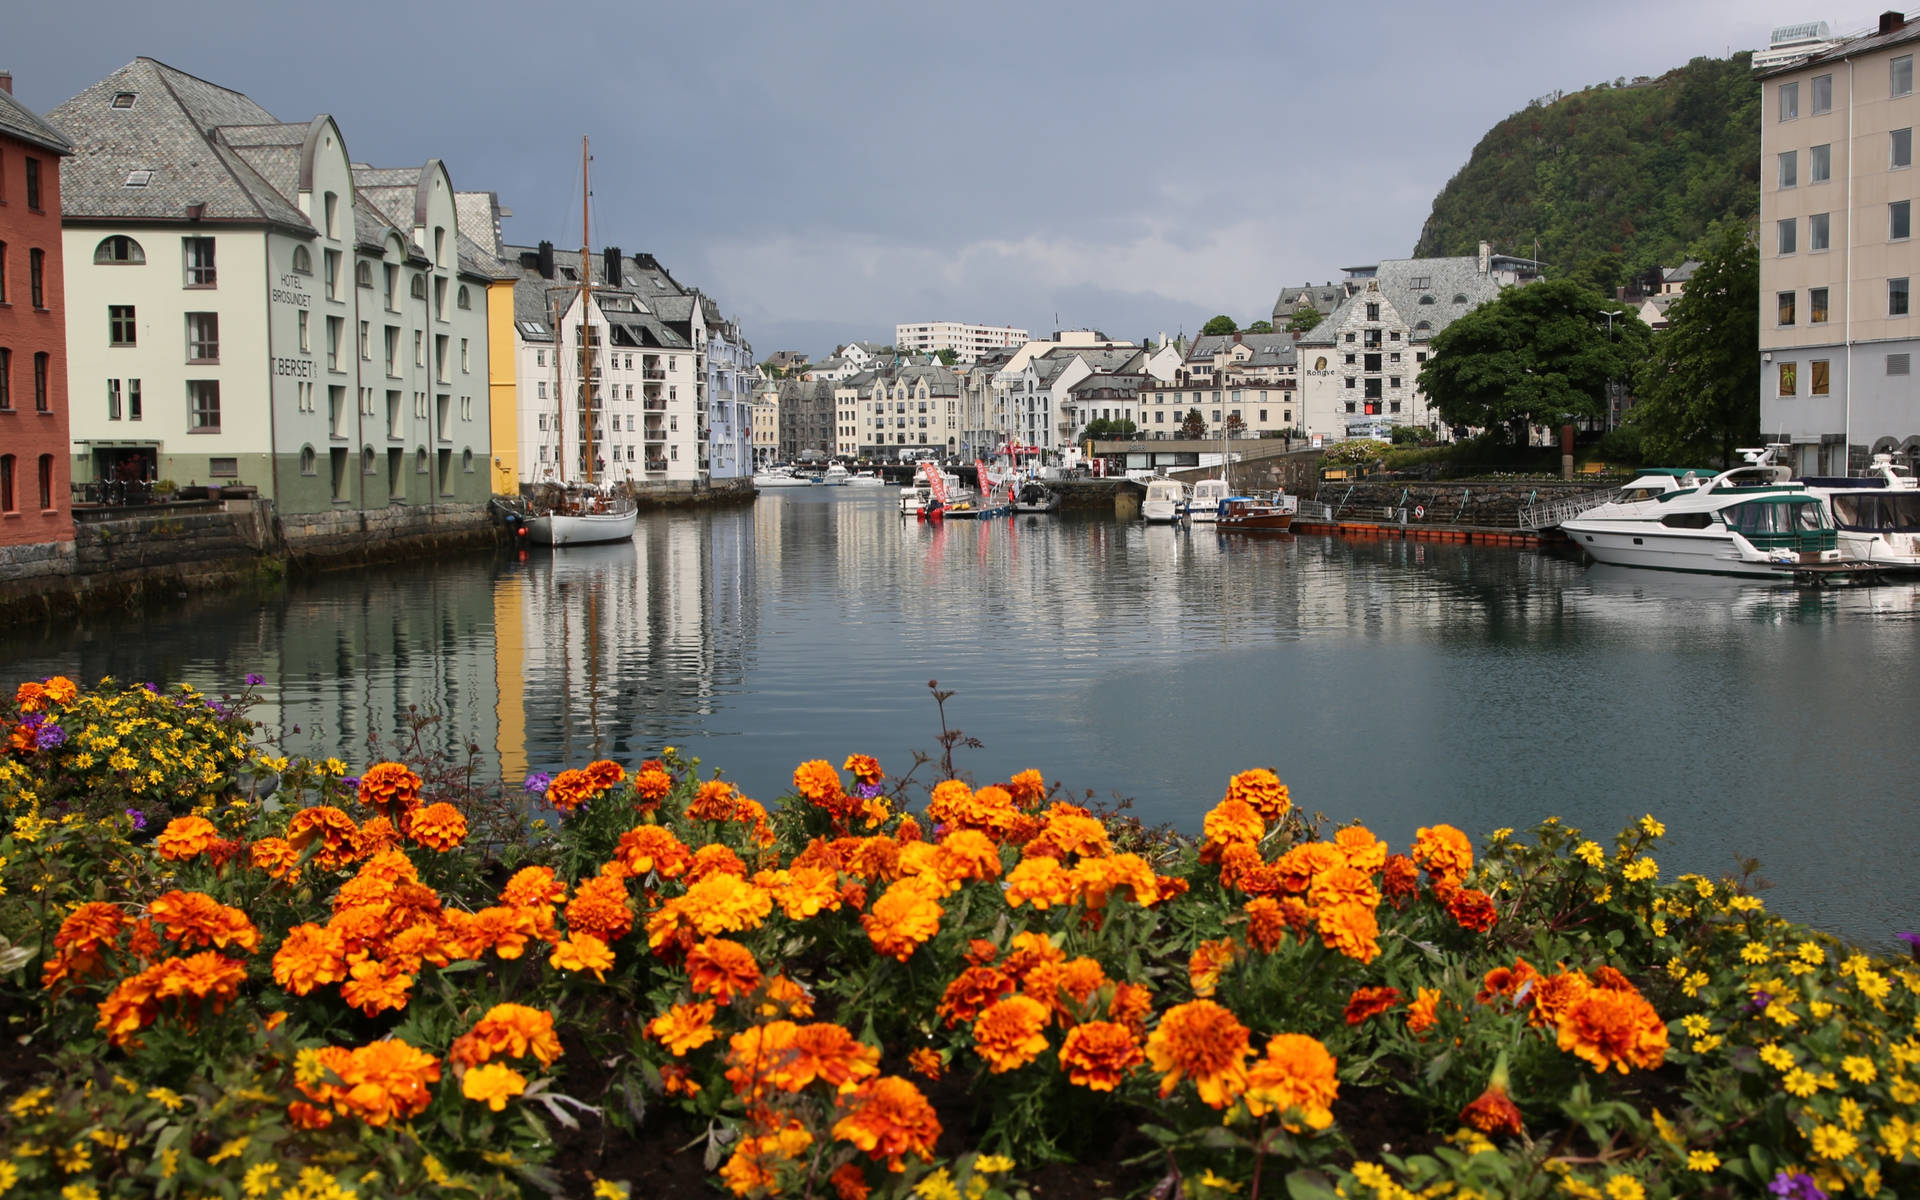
<point>1549,513</point>
<point>1314,510</point>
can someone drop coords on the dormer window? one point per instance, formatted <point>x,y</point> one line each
<point>139,179</point>
<point>1459,297</point>
<point>123,99</point>
<point>119,249</point>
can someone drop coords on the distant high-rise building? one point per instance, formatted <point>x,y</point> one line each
<point>967,341</point>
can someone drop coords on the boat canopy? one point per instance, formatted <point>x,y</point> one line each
<point>1878,512</point>
<point>1782,521</point>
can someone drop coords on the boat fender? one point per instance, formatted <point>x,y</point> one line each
<point>1420,512</point>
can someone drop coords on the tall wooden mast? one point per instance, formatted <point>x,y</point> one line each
<point>586,324</point>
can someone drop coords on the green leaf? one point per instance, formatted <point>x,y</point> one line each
<point>1308,1184</point>
<point>1437,1069</point>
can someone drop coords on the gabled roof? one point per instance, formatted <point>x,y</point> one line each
<point>1268,349</point>
<point>20,122</point>
<point>166,134</point>
<point>1127,383</point>
<point>1322,298</point>
<point>1682,273</point>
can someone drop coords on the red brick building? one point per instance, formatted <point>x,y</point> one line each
<point>34,504</point>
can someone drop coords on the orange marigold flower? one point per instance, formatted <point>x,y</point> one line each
<point>1341,884</point>
<point>309,957</point>
<point>1069,832</point>
<point>1262,791</point>
<point>1028,789</point>
<point>1029,948</point>
<point>807,891</point>
<point>1099,1054</point>
<point>1400,879</point>
<point>971,992</point>
<point>1231,820</point>
<point>715,859</point>
<point>61,690</point>
<point>926,1063</point>
<point>782,997</point>
<point>582,952</point>
<point>1201,1041</point>
<point>374,986</point>
<point>817,782</point>
<point>503,930</point>
<point>865,768</point>
<point>135,1002</point>
<point>967,854</point>
<point>1296,1075</point>
<point>684,1027</point>
<point>1444,851</point>
<point>332,828</point>
<point>376,835</point>
<point>1473,909</point>
<point>390,788</point>
<point>197,919</point>
<point>1300,866</point>
<point>1364,852</point>
<point>677,1080</point>
<point>906,915</point>
<point>1040,882</point>
<point>755,1165</point>
<point>1370,1002</point>
<point>1095,879</point>
<point>87,931</point>
<point>30,696</point>
<point>569,790</point>
<point>889,1119</point>
<point>1352,929</point>
<point>1505,982</point>
<point>605,773</point>
<point>508,1031</point>
<point>308,1116</point>
<point>1555,995</point>
<point>184,838</point>
<point>599,907</point>
<point>1492,1111</point>
<point>1008,1032</point>
<point>385,1081</point>
<point>277,857</point>
<point>716,904</point>
<point>722,969</point>
<point>647,848</point>
<point>438,827</point>
<point>1207,961</point>
<point>493,1085</point>
<point>715,801</point>
<point>1612,1028</point>
<point>530,887</point>
<point>651,785</point>
<point>1424,1013</point>
<point>1266,924</point>
<point>1131,1004</point>
<point>826,1052</point>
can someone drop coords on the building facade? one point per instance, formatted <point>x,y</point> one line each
<point>968,342</point>
<point>1243,384</point>
<point>35,505</point>
<point>1839,332</point>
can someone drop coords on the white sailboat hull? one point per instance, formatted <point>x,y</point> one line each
<point>562,529</point>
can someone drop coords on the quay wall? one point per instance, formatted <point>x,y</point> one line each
<point>1483,503</point>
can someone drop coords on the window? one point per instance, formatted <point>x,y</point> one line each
<point>1817,306</point>
<point>3,272</point>
<point>113,399</point>
<point>37,276</point>
<point>203,406</point>
<point>133,399</point>
<point>46,481</point>
<point>120,325</point>
<point>1899,364</point>
<point>224,468</point>
<point>1820,164</point>
<point>419,287</point>
<point>1818,231</point>
<point>1899,220</point>
<point>1785,316</point>
<point>366,341</point>
<point>306,333</point>
<point>419,348</point>
<point>1817,378</point>
<point>302,261</point>
<point>363,275</point>
<point>6,483</point>
<point>203,337</point>
<point>1789,378</point>
<point>42,382</point>
<point>1459,297</point>
<point>332,212</point>
<point>33,180</point>
<point>1900,148</point>
<point>1789,102</point>
<point>463,301</point>
<point>118,249</point>
<point>309,461</point>
<point>332,260</point>
<point>1899,72</point>
<point>336,328</point>
<point>1820,97</point>
<point>1789,168</point>
<point>393,349</point>
<point>440,299</point>
<point>198,253</point>
<point>1373,312</point>
<point>1788,231</point>
<point>1897,297</point>
<point>465,365</point>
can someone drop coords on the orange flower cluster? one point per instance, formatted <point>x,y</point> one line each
<point>865,768</point>
<point>185,838</point>
<point>205,978</point>
<point>716,904</point>
<point>888,1118</point>
<point>197,919</point>
<point>81,945</point>
<point>1261,790</point>
<point>905,917</point>
<point>1296,1077</point>
<point>1611,1025</point>
<point>1099,1054</point>
<point>507,1031</point>
<point>390,789</point>
<point>1369,1002</point>
<point>1008,1032</point>
<point>385,925</point>
<point>651,785</point>
<point>1445,853</point>
<point>1201,1041</point>
<point>758,1162</point>
<point>378,1083</point>
<point>439,827</point>
<point>332,828</point>
<point>722,969</point>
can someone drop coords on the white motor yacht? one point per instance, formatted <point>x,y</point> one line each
<point>779,477</point>
<point>1745,521</point>
<point>1204,507</point>
<point>1877,515</point>
<point>866,479</point>
<point>835,476</point>
<point>1166,502</point>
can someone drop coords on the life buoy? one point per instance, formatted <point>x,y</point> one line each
<point>1420,512</point>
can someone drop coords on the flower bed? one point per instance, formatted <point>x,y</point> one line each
<point>379,986</point>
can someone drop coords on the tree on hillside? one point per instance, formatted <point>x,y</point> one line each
<point>1304,319</point>
<point>1539,354</point>
<point>948,357</point>
<point>1219,326</point>
<point>1260,327</point>
<point>1195,425</point>
<point>1699,390</point>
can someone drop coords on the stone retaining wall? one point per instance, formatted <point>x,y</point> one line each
<point>1492,503</point>
<point>352,536</point>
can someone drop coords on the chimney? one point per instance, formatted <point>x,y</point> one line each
<point>1486,257</point>
<point>6,82</point>
<point>196,211</point>
<point>546,260</point>
<point>611,257</point>
<point>1890,22</point>
<point>1237,336</point>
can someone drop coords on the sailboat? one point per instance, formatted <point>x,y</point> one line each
<point>581,511</point>
<point>1204,507</point>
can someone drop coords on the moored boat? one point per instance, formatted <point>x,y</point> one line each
<point>1036,497</point>
<point>1204,506</point>
<point>834,476</point>
<point>1165,503</point>
<point>1877,517</point>
<point>1256,514</point>
<point>779,477</point>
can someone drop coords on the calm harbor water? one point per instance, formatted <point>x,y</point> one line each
<point>1399,683</point>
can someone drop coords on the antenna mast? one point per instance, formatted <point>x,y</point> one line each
<point>586,325</point>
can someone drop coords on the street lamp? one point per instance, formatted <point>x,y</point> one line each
<point>1613,397</point>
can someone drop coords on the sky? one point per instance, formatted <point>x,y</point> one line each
<point>826,170</point>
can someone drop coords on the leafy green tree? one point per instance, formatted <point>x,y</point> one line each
<point>949,356</point>
<point>1304,319</point>
<point>1699,390</point>
<point>1220,325</point>
<point>1540,354</point>
<point>1260,327</point>
<point>1235,426</point>
<point>1195,425</point>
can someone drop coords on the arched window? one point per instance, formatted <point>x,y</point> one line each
<point>1423,327</point>
<point>420,460</point>
<point>302,260</point>
<point>466,460</point>
<point>419,288</point>
<point>118,250</point>
<point>308,461</point>
<point>363,275</point>
<point>1426,299</point>
<point>1459,297</point>
<point>461,299</point>
<point>366,460</point>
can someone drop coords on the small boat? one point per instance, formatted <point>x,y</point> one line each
<point>1256,514</point>
<point>834,476</point>
<point>1205,504</point>
<point>915,497</point>
<point>779,477</point>
<point>866,479</point>
<point>1034,497</point>
<point>1877,516</point>
<point>1748,520</point>
<point>1166,502</point>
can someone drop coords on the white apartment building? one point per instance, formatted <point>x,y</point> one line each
<point>1246,382</point>
<point>967,341</point>
<point>225,319</point>
<point>1838,328</point>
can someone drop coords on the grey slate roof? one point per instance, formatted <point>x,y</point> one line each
<point>1682,273</point>
<point>533,298</point>
<point>1127,383</point>
<point>169,131</point>
<point>1321,297</point>
<point>1445,279</point>
<point>1269,349</point>
<point>19,121</point>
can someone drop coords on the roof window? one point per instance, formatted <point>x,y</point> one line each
<point>123,99</point>
<point>139,179</point>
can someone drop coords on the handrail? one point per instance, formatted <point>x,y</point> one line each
<point>1549,513</point>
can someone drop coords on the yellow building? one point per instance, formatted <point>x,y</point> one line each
<point>480,214</point>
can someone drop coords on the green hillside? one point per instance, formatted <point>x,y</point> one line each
<point>1611,180</point>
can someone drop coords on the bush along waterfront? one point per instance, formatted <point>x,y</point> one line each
<point>397,985</point>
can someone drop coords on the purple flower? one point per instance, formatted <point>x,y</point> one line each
<point>150,687</point>
<point>1913,943</point>
<point>254,680</point>
<point>866,791</point>
<point>1759,1001</point>
<point>48,736</point>
<point>538,783</point>
<point>1796,1185</point>
<point>139,818</point>
<point>350,781</point>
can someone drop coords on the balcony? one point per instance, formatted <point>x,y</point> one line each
<point>653,374</point>
<point>654,404</point>
<point>656,464</point>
